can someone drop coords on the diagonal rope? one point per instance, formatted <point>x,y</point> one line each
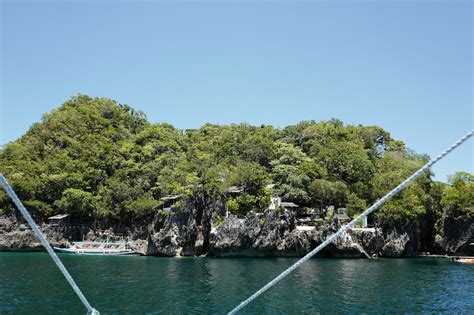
<point>44,241</point>
<point>364,214</point>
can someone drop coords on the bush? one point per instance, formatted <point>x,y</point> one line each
<point>360,223</point>
<point>76,201</point>
<point>232,206</point>
<point>460,193</point>
<point>318,222</point>
<point>277,209</point>
<point>218,221</point>
<point>329,214</point>
<point>39,207</point>
<point>241,204</point>
<point>142,206</point>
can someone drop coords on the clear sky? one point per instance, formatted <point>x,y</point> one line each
<point>404,65</point>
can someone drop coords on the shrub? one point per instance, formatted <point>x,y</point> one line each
<point>318,222</point>
<point>218,221</point>
<point>39,207</point>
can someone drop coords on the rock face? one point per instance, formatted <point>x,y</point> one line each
<point>254,236</point>
<point>276,235</point>
<point>399,241</point>
<point>185,232</point>
<point>200,227</point>
<point>16,235</point>
<point>455,234</point>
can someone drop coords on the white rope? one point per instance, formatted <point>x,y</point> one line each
<point>331,238</point>
<point>49,249</point>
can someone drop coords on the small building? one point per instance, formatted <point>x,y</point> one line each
<point>304,221</point>
<point>289,205</point>
<point>169,201</point>
<point>58,220</point>
<point>235,190</point>
<point>342,217</point>
<point>341,211</point>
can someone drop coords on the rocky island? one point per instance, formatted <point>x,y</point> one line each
<point>111,175</point>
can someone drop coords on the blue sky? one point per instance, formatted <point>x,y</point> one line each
<point>406,66</point>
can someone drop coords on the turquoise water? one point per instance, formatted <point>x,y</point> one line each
<point>31,284</point>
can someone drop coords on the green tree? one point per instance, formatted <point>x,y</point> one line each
<point>77,202</point>
<point>289,172</point>
<point>96,157</point>
<point>460,193</point>
<point>325,193</point>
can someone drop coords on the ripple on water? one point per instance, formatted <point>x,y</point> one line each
<point>29,283</point>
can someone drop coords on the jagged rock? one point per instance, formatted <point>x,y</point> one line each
<point>139,246</point>
<point>274,229</point>
<point>254,236</point>
<point>455,233</point>
<point>400,240</point>
<point>395,245</point>
<point>234,237</point>
<point>186,230</point>
<point>372,240</point>
<point>167,243</point>
<point>18,236</point>
<point>274,235</point>
<point>182,228</point>
<point>24,240</point>
<point>90,236</point>
<point>344,247</point>
<point>297,243</point>
<point>189,231</point>
<point>199,244</point>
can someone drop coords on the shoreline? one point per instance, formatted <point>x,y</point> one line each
<point>438,257</point>
<point>271,235</point>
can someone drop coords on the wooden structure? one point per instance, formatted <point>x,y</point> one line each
<point>235,190</point>
<point>341,211</point>
<point>58,220</point>
<point>342,217</point>
<point>289,205</point>
<point>169,201</point>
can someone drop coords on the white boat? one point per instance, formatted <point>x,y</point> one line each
<point>97,248</point>
<point>465,260</point>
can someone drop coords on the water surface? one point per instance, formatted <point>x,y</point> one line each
<point>30,283</point>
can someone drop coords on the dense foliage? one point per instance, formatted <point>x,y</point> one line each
<point>95,158</point>
<point>458,197</point>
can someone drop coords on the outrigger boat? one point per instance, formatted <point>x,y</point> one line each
<point>97,248</point>
<point>466,260</point>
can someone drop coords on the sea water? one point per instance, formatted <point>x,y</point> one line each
<point>31,284</point>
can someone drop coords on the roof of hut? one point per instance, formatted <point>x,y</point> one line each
<point>59,216</point>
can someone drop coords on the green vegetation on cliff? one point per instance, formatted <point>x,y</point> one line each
<point>95,158</point>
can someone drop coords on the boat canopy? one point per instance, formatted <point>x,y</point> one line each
<point>101,243</point>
